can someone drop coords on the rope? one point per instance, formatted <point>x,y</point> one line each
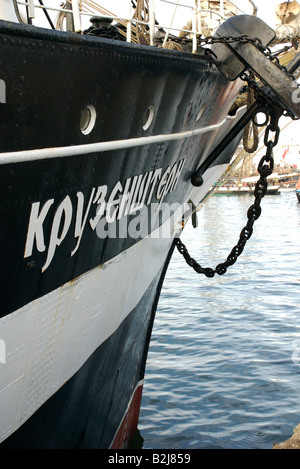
<point>139,31</point>
<point>250,128</point>
<point>60,19</point>
<point>141,14</point>
<point>17,12</point>
<point>172,45</point>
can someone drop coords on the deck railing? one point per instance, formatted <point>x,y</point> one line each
<point>80,9</point>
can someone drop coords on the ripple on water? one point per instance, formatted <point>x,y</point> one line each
<point>223,369</point>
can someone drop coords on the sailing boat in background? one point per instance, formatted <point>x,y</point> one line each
<point>298,190</point>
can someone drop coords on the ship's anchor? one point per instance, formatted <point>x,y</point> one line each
<point>235,53</point>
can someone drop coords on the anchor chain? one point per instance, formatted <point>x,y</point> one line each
<point>244,38</point>
<point>247,75</point>
<point>265,168</point>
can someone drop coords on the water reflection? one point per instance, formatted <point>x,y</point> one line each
<point>221,372</point>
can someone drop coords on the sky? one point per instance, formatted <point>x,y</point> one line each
<point>164,12</point>
<point>266,9</point>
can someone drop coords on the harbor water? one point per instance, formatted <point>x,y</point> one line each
<point>223,368</point>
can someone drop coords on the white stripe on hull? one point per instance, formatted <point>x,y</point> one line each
<point>48,340</point>
<point>75,150</point>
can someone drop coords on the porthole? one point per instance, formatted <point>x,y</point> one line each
<point>87,119</point>
<point>148,117</point>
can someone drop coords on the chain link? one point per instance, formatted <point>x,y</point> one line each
<point>244,38</point>
<point>265,168</point>
<point>247,76</point>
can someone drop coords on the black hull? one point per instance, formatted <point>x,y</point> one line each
<point>49,245</point>
<point>54,82</point>
<point>97,387</point>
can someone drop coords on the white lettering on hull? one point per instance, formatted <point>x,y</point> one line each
<point>124,199</point>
